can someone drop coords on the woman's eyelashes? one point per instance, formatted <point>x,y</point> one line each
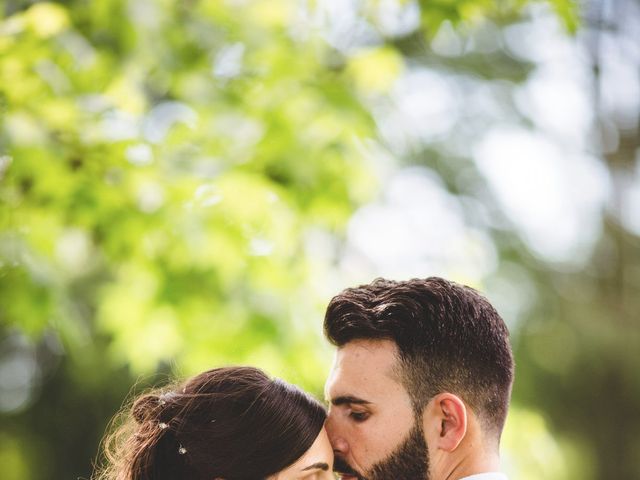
<point>317,475</point>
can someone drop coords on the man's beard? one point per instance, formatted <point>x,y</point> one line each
<point>407,462</point>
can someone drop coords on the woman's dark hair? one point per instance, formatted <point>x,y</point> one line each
<point>449,339</point>
<point>233,423</point>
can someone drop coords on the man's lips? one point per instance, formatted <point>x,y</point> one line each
<point>344,470</point>
<point>347,476</point>
<point>345,473</point>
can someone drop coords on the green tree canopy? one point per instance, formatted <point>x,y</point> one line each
<point>177,180</point>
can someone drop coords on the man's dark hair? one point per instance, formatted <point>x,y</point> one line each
<point>449,339</point>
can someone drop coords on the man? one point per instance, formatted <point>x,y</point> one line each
<point>421,382</point>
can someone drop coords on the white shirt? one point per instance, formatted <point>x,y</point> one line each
<point>487,476</point>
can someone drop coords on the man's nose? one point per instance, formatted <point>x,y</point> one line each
<point>338,442</point>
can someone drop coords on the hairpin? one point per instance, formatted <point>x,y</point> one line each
<point>182,450</point>
<point>163,425</point>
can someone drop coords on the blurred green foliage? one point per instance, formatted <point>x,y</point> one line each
<point>166,169</point>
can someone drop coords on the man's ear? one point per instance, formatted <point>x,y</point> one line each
<point>445,421</point>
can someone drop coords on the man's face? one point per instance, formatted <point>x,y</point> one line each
<point>371,422</point>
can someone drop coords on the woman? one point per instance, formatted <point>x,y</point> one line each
<point>231,423</point>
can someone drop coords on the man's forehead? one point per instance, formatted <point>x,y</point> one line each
<point>357,352</point>
<point>363,367</point>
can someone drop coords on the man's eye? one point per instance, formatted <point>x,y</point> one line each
<point>359,416</point>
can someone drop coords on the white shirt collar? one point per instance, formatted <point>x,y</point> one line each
<point>487,476</point>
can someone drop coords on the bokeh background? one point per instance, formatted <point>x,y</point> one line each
<point>186,183</point>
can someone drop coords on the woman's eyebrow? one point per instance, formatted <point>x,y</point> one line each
<point>320,465</point>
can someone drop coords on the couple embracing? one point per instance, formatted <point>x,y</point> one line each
<point>419,390</point>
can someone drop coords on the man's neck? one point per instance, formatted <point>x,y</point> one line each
<point>466,469</point>
<point>466,461</point>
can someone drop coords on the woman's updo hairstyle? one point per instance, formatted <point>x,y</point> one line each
<point>232,423</point>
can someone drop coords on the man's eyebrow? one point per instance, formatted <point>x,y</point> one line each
<point>320,465</point>
<point>348,399</point>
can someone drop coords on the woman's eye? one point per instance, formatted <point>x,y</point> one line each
<point>359,416</point>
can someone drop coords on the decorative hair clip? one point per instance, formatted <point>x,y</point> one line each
<point>182,450</point>
<point>163,426</point>
<point>166,397</point>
